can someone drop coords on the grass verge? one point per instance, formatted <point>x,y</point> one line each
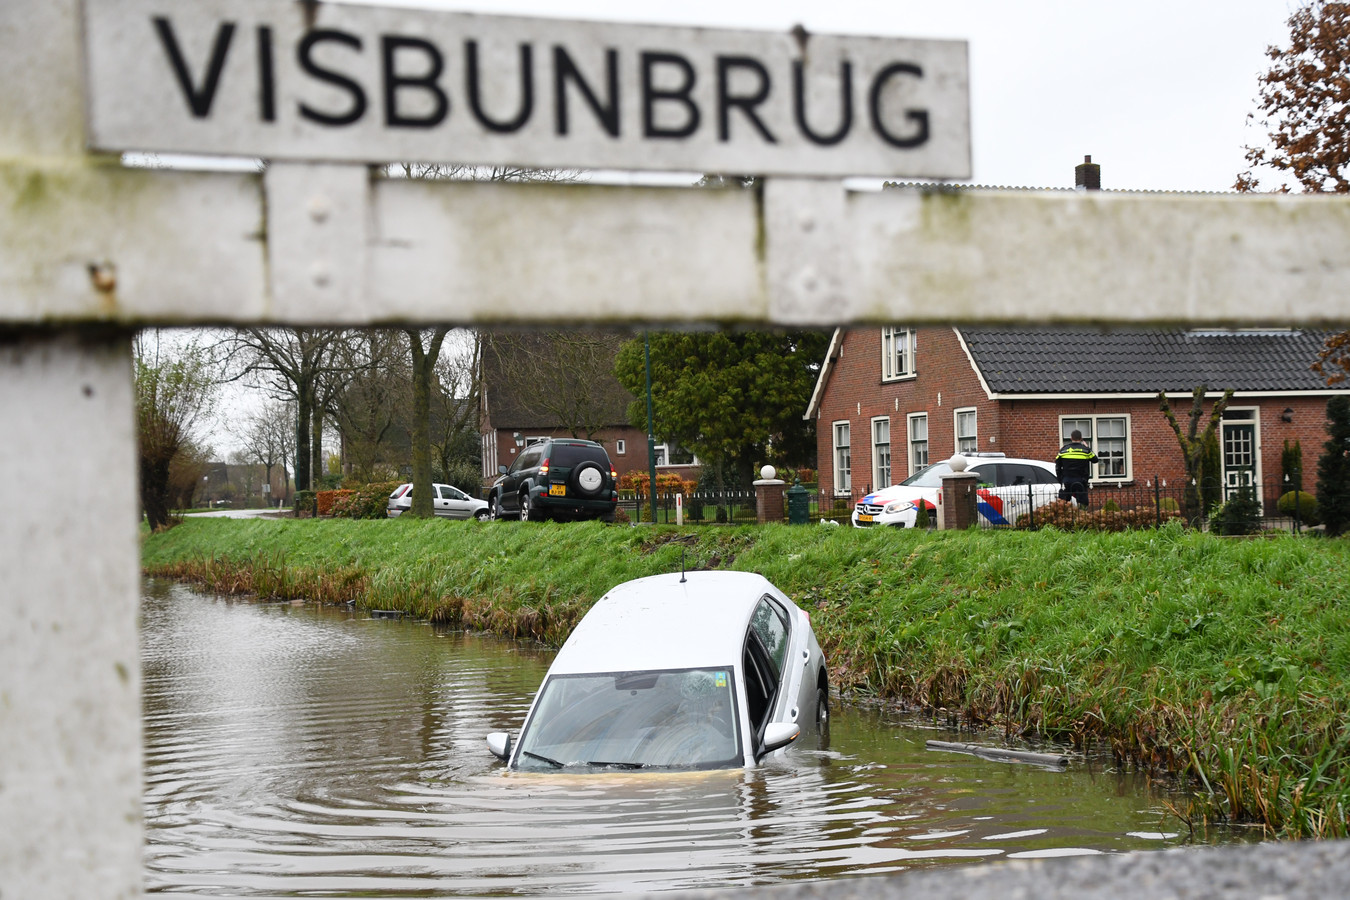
<point>1222,660</point>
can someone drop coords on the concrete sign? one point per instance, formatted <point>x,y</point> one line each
<point>334,82</point>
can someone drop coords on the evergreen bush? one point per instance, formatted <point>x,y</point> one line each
<point>1333,468</point>
<point>1240,514</point>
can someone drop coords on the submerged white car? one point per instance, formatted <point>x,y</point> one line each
<point>697,670</point>
<point>1008,487</point>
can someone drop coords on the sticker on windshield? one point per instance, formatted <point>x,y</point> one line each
<point>720,679</point>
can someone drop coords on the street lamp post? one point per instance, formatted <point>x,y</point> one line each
<point>651,439</point>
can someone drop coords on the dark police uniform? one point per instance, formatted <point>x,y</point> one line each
<point>1073,467</point>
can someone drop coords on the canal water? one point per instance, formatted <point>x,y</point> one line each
<point>294,751</point>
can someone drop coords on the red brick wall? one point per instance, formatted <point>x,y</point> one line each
<point>1030,428</point>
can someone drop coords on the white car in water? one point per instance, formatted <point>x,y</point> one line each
<point>1008,487</point>
<point>697,670</point>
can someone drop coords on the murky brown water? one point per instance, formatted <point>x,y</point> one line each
<point>294,751</point>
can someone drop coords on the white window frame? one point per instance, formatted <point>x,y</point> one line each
<point>903,367</point>
<point>957,436</point>
<point>1091,439</point>
<point>490,454</point>
<point>915,464</point>
<point>843,474</point>
<point>878,482</point>
<point>620,447</point>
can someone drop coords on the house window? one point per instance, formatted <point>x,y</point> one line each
<point>1108,437</point>
<point>897,353</point>
<point>489,440</point>
<point>918,441</point>
<point>967,440</point>
<point>881,452</point>
<point>843,480</point>
<point>620,447</point>
<point>672,454</point>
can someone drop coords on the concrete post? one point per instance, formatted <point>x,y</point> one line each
<point>769,496</point>
<point>70,685</point>
<point>957,509</point>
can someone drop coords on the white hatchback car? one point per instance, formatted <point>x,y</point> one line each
<point>447,501</point>
<point>697,670</point>
<point>1008,487</point>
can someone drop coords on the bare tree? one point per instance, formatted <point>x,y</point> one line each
<point>269,439</point>
<point>371,401</point>
<point>290,362</point>
<point>1193,441</point>
<point>563,377</point>
<point>424,356</point>
<point>454,413</point>
<point>175,389</point>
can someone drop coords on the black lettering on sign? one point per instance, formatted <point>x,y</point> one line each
<point>429,81</point>
<point>304,54</point>
<point>564,70</point>
<point>745,103</point>
<point>919,116</point>
<point>267,89</point>
<point>475,94</point>
<point>651,95</point>
<point>198,100</point>
<point>845,104</point>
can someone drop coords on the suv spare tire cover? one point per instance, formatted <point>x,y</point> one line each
<point>588,477</point>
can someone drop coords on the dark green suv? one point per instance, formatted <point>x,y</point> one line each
<point>557,478</point>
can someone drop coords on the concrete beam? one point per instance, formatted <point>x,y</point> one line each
<point>331,245</point>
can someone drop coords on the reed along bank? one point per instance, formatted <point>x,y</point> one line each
<point>1222,660</point>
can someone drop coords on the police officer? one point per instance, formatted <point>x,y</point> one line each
<point>1073,467</point>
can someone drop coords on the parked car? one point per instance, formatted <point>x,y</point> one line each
<point>1008,487</point>
<point>557,477</point>
<point>698,670</point>
<point>447,501</point>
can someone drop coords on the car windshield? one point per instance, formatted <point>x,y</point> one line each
<point>930,477</point>
<point>568,455</point>
<point>631,720</point>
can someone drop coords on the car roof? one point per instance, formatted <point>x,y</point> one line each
<point>659,622</point>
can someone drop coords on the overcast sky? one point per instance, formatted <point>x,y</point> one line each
<point>1157,92</point>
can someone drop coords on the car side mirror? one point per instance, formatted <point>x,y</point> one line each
<point>780,734</point>
<point>502,470</point>
<point>499,742</point>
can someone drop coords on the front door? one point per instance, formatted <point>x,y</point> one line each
<point>1239,457</point>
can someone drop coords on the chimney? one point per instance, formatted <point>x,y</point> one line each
<point>1088,176</point>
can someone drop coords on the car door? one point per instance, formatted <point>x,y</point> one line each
<point>510,486</point>
<point>441,500</point>
<point>766,648</point>
<point>454,503</point>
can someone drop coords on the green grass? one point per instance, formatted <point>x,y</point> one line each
<point>1223,660</point>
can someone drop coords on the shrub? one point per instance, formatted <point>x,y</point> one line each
<point>1111,506</point>
<point>368,502</point>
<point>1307,507</point>
<point>324,500</point>
<point>621,516</point>
<point>1066,517</point>
<point>921,518</point>
<point>304,504</point>
<point>1239,514</point>
<point>1333,468</point>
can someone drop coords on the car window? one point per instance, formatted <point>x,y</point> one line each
<point>1043,476</point>
<point>569,455</point>
<point>527,460</point>
<point>987,473</point>
<point>1015,474</point>
<point>770,623</point>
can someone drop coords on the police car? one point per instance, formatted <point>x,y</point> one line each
<point>1008,487</point>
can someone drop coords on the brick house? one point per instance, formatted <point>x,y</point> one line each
<point>890,400</point>
<point>554,396</point>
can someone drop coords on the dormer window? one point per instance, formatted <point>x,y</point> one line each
<point>897,353</point>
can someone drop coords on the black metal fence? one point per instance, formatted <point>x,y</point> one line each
<point>1147,504</point>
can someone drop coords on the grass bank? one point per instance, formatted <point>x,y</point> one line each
<point>1224,660</point>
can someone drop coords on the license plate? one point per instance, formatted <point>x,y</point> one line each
<point>557,490</point>
<point>864,517</point>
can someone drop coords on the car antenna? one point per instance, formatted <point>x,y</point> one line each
<point>682,552</point>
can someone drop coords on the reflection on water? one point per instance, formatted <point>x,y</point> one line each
<point>299,751</point>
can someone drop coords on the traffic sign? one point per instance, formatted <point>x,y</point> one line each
<point>336,82</point>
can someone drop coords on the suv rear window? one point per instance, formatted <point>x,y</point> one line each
<point>568,455</point>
